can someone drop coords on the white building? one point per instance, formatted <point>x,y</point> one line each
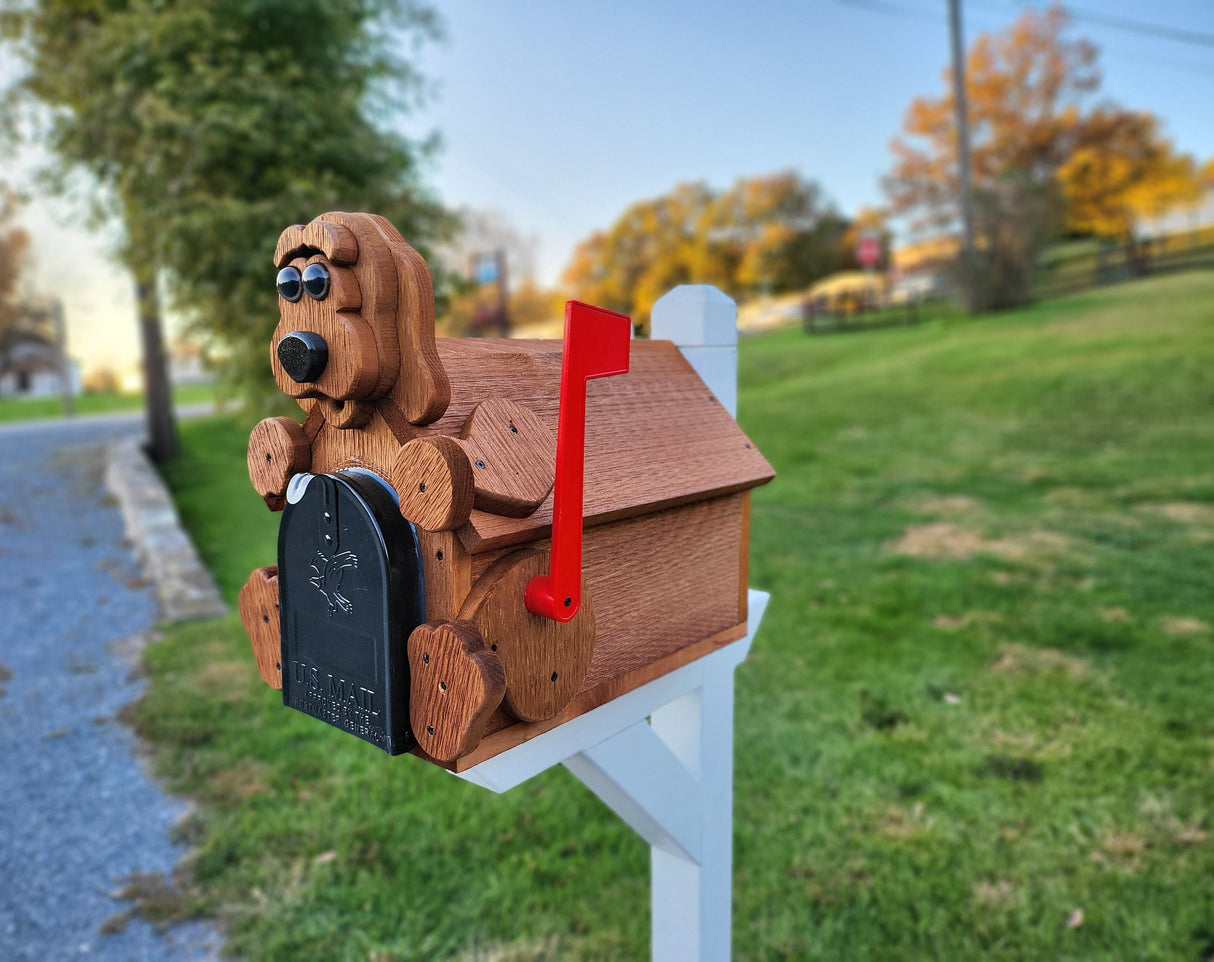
<point>31,367</point>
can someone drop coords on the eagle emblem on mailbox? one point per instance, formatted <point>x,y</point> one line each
<point>480,539</point>
<point>327,573</point>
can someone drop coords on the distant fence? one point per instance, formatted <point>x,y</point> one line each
<point>1068,268</point>
<point>1094,264</point>
<point>820,316</point>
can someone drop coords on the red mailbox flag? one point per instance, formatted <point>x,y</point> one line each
<point>596,345</point>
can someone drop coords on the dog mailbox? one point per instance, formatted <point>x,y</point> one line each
<point>481,539</point>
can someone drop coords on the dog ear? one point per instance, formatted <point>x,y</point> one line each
<point>422,391</point>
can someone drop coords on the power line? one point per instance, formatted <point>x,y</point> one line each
<point>893,10</point>
<point>917,13</point>
<point>1139,27</point>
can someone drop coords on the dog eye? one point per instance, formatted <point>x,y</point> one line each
<point>290,287</point>
<point>316,281</point>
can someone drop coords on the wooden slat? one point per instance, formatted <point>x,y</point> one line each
<point>661,582</point>
<point>448,571</point>
<point>744,560</point>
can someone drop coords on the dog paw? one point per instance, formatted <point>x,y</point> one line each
<point>455,685</point>
<point>258,605</point>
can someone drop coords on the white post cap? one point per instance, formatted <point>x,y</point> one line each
<point>695,315</point>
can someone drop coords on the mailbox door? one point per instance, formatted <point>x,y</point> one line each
<point>350,592</point>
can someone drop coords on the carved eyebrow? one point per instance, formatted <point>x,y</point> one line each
<point>335,241</point>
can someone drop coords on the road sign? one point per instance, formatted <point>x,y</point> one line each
<point>868,249</point>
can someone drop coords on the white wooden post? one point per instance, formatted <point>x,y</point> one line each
<point>661,755</point>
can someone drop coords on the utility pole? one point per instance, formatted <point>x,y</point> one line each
<point>963,146</point>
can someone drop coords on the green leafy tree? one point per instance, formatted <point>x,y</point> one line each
<point>207,127</point>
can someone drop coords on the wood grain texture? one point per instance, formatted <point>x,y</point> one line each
<point>545,660</point>
<point>357,319</point>
<point>455,684</point>
<point>336,242</point>
<point>353,365</point>
<point>314,419</point>
<point>433,480</point>
<point>345,414</point>
<point>744,560</point>
<point>395,419</point>
<point>422,391</point>
<point>279,449</point>
<point>258,605</point>
<point>448,574</point>
<point>655,437</point>
<point>513,455</point>
<point>672,578</point>
<point>376,270</point>
<point>503,732</point>
<point>373,446</point>
<point>655,609</point>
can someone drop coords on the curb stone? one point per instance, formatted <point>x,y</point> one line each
<point>184,586</point>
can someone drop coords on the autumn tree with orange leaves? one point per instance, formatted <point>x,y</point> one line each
<point>1042,156</point>
<point>1122,170</point>
<point>14,246</point>
<point>765,234</point>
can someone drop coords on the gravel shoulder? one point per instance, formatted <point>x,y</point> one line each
<point>78,812</point>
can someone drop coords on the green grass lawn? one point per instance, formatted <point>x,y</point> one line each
<point>977,723</point>
<point>32,409</point>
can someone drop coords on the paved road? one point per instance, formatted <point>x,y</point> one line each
<point>78,812</point>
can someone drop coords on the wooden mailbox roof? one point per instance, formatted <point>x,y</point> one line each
<point>655,437</point>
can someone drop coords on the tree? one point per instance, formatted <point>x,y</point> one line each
<point>210,126</point>
<point>1041,156</point>
<point>1026,90</point>
<point>762,235</point>
<point>776,233</point>
<point>14,245</point>
<point>649,249</point>
<point>1121,171</point>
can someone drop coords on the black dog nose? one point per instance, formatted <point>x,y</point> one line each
<point>303,355</point>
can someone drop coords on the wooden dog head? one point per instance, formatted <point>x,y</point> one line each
<point>356,321</point>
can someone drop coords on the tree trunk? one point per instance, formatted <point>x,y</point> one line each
<point>162,428</point>
<point>66,387</point>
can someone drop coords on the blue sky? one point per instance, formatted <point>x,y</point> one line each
<point>560,114</point>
